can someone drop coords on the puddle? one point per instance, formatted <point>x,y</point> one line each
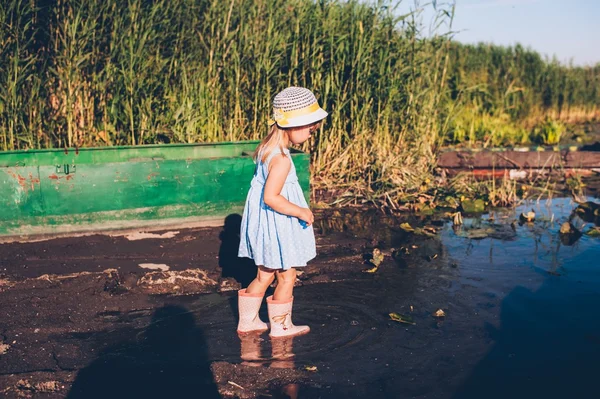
<point>530,253</point>
<point>521,315</point>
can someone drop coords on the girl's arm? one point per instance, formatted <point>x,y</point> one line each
<point>279,167</point>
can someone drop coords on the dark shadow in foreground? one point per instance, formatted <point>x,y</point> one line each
<point>243,270</point>
<point>547,346</point>
<point>166,360</point>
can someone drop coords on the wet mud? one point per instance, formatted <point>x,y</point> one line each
<point>80,318</point>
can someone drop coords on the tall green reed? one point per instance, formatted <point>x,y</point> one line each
<point>17,74</point>
<point>117,72</point>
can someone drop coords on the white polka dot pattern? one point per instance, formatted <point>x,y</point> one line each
<point>272,239</point>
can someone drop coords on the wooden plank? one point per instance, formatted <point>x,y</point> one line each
<point>519,159</point>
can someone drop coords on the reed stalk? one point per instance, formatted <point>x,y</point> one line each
<point>117,72</point>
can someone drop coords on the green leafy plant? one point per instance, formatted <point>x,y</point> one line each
<point>548,132</point>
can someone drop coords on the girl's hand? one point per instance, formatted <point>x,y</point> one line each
<point>307,216</point>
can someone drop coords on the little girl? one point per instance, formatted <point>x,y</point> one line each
<point>277,225</point>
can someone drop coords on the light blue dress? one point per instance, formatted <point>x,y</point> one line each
<point>272,239</point>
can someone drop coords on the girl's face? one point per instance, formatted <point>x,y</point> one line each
<point>299,135</point>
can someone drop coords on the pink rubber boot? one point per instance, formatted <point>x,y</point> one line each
<point>248,305</point>
<point>280,315</point>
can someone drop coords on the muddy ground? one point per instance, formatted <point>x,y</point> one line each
<point>154,316</point>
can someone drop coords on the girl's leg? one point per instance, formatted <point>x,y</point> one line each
<point>285,285</point>
<point>264,278</point>
<point>280,307</point>
<point>250,299</point>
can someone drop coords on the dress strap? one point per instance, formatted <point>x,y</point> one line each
<point>275,152</point>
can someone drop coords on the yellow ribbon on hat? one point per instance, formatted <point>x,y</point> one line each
<point>281,117</point>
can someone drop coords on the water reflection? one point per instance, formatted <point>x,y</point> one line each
<point>589,212</point>
<point>282,357</point>
<point>553,243</point>
<point>380,229</point>
<point>282,351</point>
<point>250,348</point>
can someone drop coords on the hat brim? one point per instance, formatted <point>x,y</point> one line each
<point>304,120</point>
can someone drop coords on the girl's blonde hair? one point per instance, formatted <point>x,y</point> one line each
<point>275,138</point>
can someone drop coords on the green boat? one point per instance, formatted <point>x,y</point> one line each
<point>49,192</point>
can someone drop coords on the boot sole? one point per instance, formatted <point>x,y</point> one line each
<point>291,335</point>
<point>250,332</point>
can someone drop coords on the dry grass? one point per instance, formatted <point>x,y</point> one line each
<point>116,72</point>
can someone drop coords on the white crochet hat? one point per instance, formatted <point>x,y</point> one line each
<point>296,106</point>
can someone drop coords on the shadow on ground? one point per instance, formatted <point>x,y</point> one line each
<point>547,346</point>
<point>168,359</point>
<point>243,270</point>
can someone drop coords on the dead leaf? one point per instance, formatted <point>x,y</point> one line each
<point>528,217</point>
<point>377,257</point>
<point>402,318</point>
<point>407,227</point>
<point>440,313</point>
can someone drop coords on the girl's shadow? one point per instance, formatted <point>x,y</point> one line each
<point>243,270</point>
<point>167,359</point>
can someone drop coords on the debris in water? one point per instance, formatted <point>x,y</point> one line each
<point>397,253</point>
<point>457,219</point>
<point>472,206</point>
<point>235,385</point>
<point>593,232</point>
<point>375,260</point>
<point>528,217</point>
<point>407,227</point>
<point>377,257</point>
<point>402,318</point>
<point>311,368</point>
<point>440,313</point>
<point>588,208</point>
<point>432,257</point>
<point>425,231</point>
<point>429,229</point>
<point>477,233</point>
<point>568,234</point>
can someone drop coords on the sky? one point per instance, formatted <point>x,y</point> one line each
<point>567,29</point>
